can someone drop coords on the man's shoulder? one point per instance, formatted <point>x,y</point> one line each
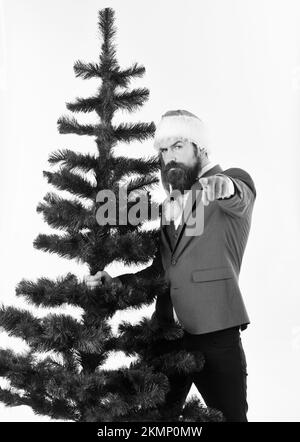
<point>241,174</point>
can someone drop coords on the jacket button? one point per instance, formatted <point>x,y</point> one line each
<point>173,261</point>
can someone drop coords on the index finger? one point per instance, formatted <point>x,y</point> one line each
<point>203,182</point>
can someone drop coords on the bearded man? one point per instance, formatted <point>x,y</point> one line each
<point>202,265</point>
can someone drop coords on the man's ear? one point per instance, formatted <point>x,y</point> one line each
<point>203,153</point>
<point>196,150</point>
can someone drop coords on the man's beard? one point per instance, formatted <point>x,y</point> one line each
<point>180,176</point>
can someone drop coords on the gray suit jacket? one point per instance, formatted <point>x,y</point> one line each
<point>203,269</point>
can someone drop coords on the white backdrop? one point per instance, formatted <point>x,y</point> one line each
<point>235,64</point>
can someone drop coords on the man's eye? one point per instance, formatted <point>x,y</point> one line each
<point>163,150</point>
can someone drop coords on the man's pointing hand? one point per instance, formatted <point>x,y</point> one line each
<point>216,187</point>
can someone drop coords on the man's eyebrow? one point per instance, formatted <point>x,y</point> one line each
<point>179,141</point>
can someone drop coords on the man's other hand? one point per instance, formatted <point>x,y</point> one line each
<point>100,278</point>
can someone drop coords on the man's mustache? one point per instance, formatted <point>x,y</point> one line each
<point>174,165</point>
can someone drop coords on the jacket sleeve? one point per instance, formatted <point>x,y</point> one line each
<point>155,270</point>
<point>243,197</point>
<point>163,315</point>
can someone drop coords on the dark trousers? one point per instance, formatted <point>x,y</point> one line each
<point>222,382</point>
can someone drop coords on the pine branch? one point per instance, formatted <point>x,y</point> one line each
<point>136,247</point>
<point>61,213</point>
<point>106,301</point>
<point>94,335</point>
<point>132,100</point>
<point>69,290</point>
<point>20,323</point>
<point>24,371</point>
<point>101,301</point>
<point>50,385</point>
<point>176,362</point>
<point>51,293</point>
<point>109,408</point>
<point>117,76</point>
<point>87,70</point>
<point>128,132</point>
<point>142,183</point>
<point>66,180</point>
<point>12,399</point>
<point>123,77</point>
<point>107,32</point>
<point>69,125</point>
<point>123,165</point>
<point>86,105</point>
<point>58,332</point>
<point>67,246</point>
<point>34,381</point>
<point>106,26</point>
<point>72,160</point>
<point>136,382</point>
<point>148,344</point>
<point>54,331</point>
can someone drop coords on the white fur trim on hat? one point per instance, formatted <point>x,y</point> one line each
<point>181,126</point>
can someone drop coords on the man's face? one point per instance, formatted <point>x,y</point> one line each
<point>180,165</point>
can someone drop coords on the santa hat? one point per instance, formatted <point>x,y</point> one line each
<point>181,125</point>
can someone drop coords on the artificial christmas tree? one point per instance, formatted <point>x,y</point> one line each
<point>74,385</point>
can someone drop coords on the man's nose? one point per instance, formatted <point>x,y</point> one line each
<point>171,156</point>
